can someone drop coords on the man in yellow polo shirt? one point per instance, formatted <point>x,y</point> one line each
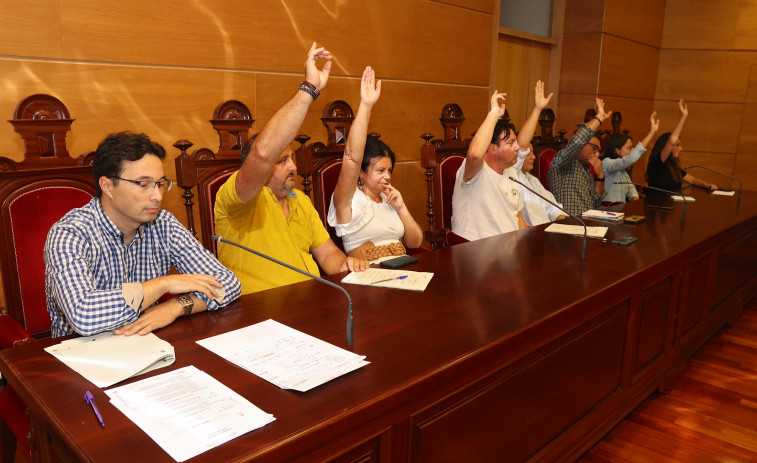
<point>259,207</point>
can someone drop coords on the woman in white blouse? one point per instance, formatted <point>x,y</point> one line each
<point>366,210</point>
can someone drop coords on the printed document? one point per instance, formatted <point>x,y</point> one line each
<point>284,356</point>
<point>187,411</point>
<point>578,230</point>
<point>106,358</point>
<point>390,278</point>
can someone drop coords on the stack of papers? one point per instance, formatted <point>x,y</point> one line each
<point>578,230</point>
<point>603,215</point>
<point>187,411</point>
<point>386,278</point>
<point>106,358</point>
<point>689,199</point>
<point>723,192</point>
<point>284,356</point>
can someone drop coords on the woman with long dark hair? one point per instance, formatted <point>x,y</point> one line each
<point>664,168</point>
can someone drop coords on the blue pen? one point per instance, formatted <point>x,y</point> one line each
<point>389,279</point>
<point>91,402</point>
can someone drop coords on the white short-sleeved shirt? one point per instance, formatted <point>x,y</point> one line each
<point>378,223</point>
<point>487,205</point>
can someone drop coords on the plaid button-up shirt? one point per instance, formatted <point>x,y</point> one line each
<point>87,263</point>
<point>571,182</point>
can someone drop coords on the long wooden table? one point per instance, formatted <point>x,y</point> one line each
<point>517,349</point>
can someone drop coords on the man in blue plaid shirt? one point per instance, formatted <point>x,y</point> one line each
<point>107,263</point>
<point>569,178</point>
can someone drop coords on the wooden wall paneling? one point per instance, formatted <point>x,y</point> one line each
<point>165,103</point>
<point>658,303</point>
<point>219,34</point>
<point>627,68</point>
<point>736,265</point>
<point>695,24</point>
<point>751,94</point>
<point>584,16</point>
<point>694,300</point>
<point>528,411</point>
<point>639,21</point>
<point>514,57</point>
<point>30,28</point>
<point>540,65</point>
<point>748,133</point>
<point>746,168</point>
<point>722,162</point>
<point>484,6</point>
<point>746,34</point>
<point>571,111</point>
<point>704,75</point>
<point>580,63</point>
<point>439,50</point>
<point>712,127</point>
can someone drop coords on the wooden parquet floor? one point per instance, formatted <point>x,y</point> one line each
<point>710,416</point>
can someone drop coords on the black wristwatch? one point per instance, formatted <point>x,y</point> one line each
<point>186,303</point>
<point>597,179</point>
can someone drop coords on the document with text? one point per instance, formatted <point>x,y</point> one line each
<point>284,356</point>
<point>578,230</point>
<point>187,411</point>
<point>388,278</point>
<point>106,358</point>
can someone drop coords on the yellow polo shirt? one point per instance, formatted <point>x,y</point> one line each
<point>261,225</point>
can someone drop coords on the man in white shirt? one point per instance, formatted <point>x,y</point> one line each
<point>485,201</point>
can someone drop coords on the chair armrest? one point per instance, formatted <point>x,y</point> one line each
<point>11,333</point>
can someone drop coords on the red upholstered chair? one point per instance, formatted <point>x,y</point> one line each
<point>207,170</point>
<point>34,194</point>
<point>442,159</point>
<point>319,163</point>
<point>546,141</point>
<point>545,159</point>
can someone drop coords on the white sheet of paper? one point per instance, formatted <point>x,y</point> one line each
<point>689,199</point>
<point>413,281</point>
<point>187,411</point>
<point>594,232</point>
<point>723,193</point>
<point>284,356</point>
<point>106,358</point>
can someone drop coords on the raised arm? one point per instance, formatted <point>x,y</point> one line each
<point>654,125</point>
<point>280,130</point>
<point>481,141</point>
<point>668,148</point>
<point>370,90</point>
<point>527,129</point>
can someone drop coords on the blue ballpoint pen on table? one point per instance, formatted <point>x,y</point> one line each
<point>91,402</point>
<point>389,279</point>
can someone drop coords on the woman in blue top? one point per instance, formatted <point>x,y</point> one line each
<point>618,157</point>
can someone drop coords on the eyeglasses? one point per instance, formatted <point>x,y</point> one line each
<point>146,185</point>
<point>596,148</point>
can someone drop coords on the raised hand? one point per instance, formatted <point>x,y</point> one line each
<point>370,89</point>
<point>601,110</point>
<point>496,105</point>
<point>654,122</point>
<point>319,78</point>
<point>683,108</point>
<point>540,100</point>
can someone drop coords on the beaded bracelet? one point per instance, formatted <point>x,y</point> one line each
<point>310,89</point>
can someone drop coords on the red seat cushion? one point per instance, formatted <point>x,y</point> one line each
<point>448,169</point>
<point>545,159</point>
<point>32,213</point>
<point>211,191</point>
<point>329,176</point>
